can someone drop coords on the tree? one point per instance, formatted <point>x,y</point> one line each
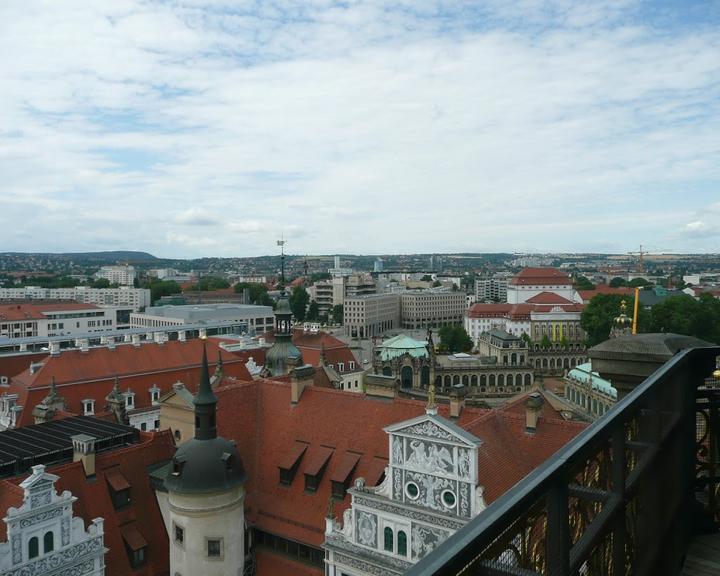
<point>454,338</point>
<point>211,283</point>
<point>599,315</point>
<point>313,313</point>
<point>683,314</point>
<point>582,283</point>
<point>160,288</point>
<point>337,313</point>
<point>545,342</point>
<point>299,299</point>
<point>258,293</point>
<point>639,282</point>
<point>101,283</point>
<point>617,282</point>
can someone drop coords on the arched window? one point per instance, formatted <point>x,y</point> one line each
<point>33,547</point>
<point>501,379</point>
<point>528,379</point>
<point>465,380</point>
<point>387,371</point>
<point>48,542</point>
<point>447,381</point>
<point>402,543</point>
<point>483,380</point>
<point>510,380</point>
<point>492,379</point>
<point>456,379</point>
<point>473,380</point>
<point>425,376</point>
<point>388,539</point>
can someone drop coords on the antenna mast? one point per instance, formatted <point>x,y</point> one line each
<point>282,243</point>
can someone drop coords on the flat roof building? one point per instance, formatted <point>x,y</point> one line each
<point>259,319</point>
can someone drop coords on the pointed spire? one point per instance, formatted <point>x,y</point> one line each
<point>53,388</point>
<point>205,404</point>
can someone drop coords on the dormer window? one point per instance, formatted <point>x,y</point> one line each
<point>316,468</point>
<point>129,399</point>
<point>154,394</point>
<point>341,366</point>
<point>88,407</point>
<point>352,365</point>
<point>290,463</point>
<point>119,489</point>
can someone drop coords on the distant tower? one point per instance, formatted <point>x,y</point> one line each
<point>283,355</point>
<point>206,495</point>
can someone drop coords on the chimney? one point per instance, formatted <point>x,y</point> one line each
<point>182,335</point>
<point>300,377</point>
<point>136,340</point>
<point>84,451</point>
<point>55,348</point>
<point>533,406</point>
<point>84,345</point>
<point>111,343</point>
<point>457,400</point>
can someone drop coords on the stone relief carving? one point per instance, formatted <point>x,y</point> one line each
<point>463,463</point>
<point>413,514</point>
<point>431,488</point>
<point>39,499</point>
<point>362,566</point>
<point>430,457</point>
<point>397,450</point>
<point>40,517</point>
<point>465,500</point>
<point>366,529</point>
<point>347,529</point>
<point>480,499</point>
<point>385,487</point>
<point>62,558</point>
<point>397,485</point>
<point>16,549</point>
<point>425,539</point>
<point>428,428</point>
<point>65,530</point>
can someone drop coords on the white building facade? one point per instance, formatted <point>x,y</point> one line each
<point>122,275</point>
<point>45,538</point>
<point>429,492</point>
<point>135,298</point>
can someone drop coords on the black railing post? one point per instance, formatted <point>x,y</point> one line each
<point>557,538</point>
<point>619,530</point>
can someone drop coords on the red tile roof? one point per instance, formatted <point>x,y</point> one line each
<point>268,563</point>
<point>587,295</point>
<point>548,298</point>
<point>541,277</point>
<point>12,365</point>
<point>139,521</point>
<point>90,375</point>
<point>32,311</point>
<point>267,428</point>
<point>310,344</point>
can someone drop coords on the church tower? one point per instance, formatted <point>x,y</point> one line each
<point>206,495</point>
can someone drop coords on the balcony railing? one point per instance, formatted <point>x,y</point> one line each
<point>624,497</point>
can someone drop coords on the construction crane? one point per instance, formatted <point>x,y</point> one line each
<point>640,254</point>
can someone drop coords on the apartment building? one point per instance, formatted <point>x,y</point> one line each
<point>494,289</point>
<point>124,296</point>
<point>57,319</point>
<point>371,315</point>
<point>122,275</point>
<point>431,308</point>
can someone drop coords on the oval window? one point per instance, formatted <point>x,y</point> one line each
<point>448,499</point>
<point>412,490</point>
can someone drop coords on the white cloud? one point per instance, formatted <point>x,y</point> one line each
<point>379,127</point>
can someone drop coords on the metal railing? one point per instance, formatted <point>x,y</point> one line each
<point>624,497</point>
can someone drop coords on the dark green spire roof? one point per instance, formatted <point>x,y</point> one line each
<point>205,394</point>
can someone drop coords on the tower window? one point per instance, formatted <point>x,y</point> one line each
<point>214,547</point>
<point>179,535</point>
<point>48,542</point>
<point>402,543</point>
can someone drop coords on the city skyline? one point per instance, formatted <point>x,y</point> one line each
<point>374,128</point>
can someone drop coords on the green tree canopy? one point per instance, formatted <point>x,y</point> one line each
<point>683,314</point>
<point>258,293</point>
<point>582,283</point>
<point>299,299</point>
<point>160,288</point>
<point>337,313</point>
<point>617,282</point>
<point>101,283</point>
<point>454,338</point>
<point>639,282</point>
<point>600,313</point>
<point>313,313</point>
<point>210,283</point>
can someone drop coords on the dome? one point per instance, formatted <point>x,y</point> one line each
<point>202,466</point>
<point>282,353</point>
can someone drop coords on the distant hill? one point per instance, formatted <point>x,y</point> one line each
<point>111,256</point>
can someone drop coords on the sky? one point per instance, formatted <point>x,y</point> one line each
<point>196,128</point>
